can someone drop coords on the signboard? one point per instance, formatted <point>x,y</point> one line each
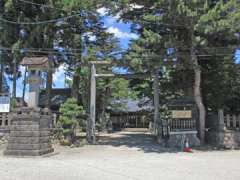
<point>4,104</point>
<point>34,80</point>
<point>181,114</point>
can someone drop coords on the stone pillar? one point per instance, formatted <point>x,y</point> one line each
<point>221,128</point>
<point>91,121</point>
<point>221,124</point>
<point>33,95</point>
<point>35,81</point>
<point>30,132</point>
<point>156,122</point>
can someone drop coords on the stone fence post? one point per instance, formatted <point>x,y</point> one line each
<point>221,124</point>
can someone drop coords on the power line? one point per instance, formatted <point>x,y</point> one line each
<point>140,57</point>
<point>124,51</point>
<point>45,5</point>
<point>40,22</point>
<point>54,51</point>
<point>55,20</point>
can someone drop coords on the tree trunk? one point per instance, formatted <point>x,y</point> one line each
<point>156,102</point>
<point>1,75</point>
<point>198,97</point>
<point>49,85</point>
<point>14,78</point>
<point>24,86</point>
<point>75,86</point>
<point>197,88</point>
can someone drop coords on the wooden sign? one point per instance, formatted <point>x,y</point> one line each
<point>181,114</point>
<point>34,80</point>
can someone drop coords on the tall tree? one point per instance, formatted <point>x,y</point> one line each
<point>189,28</point>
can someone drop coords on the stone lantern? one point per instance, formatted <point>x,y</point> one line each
<point>30,129</point>
<point>35,67</point>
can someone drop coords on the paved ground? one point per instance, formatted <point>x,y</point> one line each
<point>124,156</point>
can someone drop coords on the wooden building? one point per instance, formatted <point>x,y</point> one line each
<point>130,114</point>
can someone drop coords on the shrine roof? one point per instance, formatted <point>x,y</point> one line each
<point>34,61</point>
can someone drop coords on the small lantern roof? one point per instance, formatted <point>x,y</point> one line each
<point>40,62</point>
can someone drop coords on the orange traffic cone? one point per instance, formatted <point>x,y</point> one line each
<point>186,147</point>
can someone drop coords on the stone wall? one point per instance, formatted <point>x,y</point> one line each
<point>229,139</point>
<point>178,139</point>
<point>30,132</point>
<point>219,135</point>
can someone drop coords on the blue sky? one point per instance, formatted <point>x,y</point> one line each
<point>121,30</point>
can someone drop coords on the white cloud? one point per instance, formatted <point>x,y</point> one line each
<point>136,6</point>
<point>103,11</point>
<point>90,36</point>
<point>58,76</point>
<point>120,34</point>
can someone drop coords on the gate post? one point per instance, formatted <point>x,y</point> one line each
<point>92,119</point>
<point>221,123</point>
<point>156,103</point>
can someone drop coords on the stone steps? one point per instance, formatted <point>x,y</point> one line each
<point>33,140</point>
<point>30,146</point>
<point>28,152</point>
<point>32,127</point>
<point>29,133</point>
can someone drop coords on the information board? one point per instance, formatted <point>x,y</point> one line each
<point>181,114</point>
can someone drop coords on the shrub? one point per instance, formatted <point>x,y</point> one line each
<point>70,118</point>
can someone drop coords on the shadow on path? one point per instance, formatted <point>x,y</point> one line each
<point>143,141</point>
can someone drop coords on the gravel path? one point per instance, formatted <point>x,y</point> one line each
<point>124,156</point>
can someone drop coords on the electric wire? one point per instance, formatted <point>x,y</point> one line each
<point>39,22</point>
<point>150,50</point>
<point>43,5</point>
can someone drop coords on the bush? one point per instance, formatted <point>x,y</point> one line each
<point>70,118</point>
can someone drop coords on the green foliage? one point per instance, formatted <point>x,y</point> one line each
<point>71,116</point>
<point>121,90</point>
<point>164,24</point>
<point>13,103</point>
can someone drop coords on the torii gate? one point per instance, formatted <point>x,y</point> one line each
<point>91,137</point>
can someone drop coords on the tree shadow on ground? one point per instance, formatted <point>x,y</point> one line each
<point>145,142</point>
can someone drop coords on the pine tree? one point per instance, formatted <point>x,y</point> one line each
<point>71,117</point>
<point>189,27</point>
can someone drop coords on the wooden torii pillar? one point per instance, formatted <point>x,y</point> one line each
<point>91,137</point>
